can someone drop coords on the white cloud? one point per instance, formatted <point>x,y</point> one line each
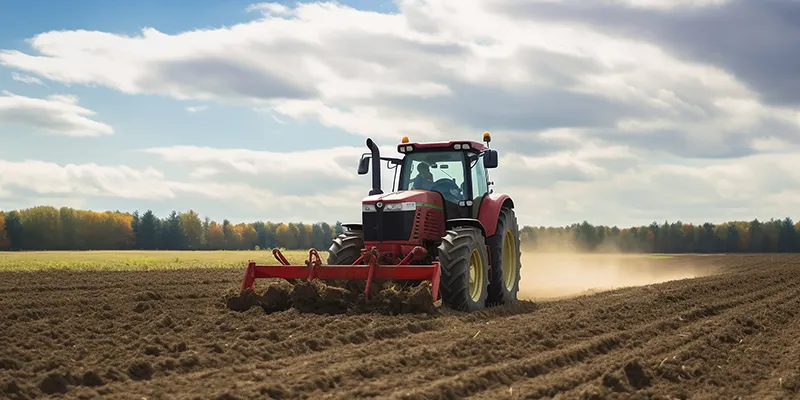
<point>762,186</point>
<point>329,162</point>
<point>269,8</point>
<point>26,79</point>
<point>203,172</point>
<point>585,163</point>
<point>659,5</point>
<point>196,109</point>
<point>434,66</point>
<point>665,5</point>
<point>590,125</point>
<point>81,181</point>
<point>364,120</point>
<point>294,173</point>
<point>55,114</point>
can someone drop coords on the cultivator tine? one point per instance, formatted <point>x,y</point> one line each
<point>249,281</point>
<point>276,252</point>
<point>312,263</point>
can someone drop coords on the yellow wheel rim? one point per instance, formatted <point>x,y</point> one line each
<point>509,259</point>
<point>476,283</point>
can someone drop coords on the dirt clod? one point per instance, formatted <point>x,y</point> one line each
<point>8,363</point>
<point>54,383</point>
<point>91,378</point>
<point>10,387</point>
<point>140,370</point>
<point>317,297</point>
<point>637,376</point>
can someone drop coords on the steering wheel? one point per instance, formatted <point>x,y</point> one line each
<point>448,189</point>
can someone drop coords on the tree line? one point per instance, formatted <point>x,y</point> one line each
<point>50,228</point>
<point>773,236</point>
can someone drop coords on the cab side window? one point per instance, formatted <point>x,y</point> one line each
<point>479,183</point>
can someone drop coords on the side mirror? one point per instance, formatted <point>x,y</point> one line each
<point>363,166</point>
<point>490,159</point>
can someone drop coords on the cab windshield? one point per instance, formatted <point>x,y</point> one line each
<point>439,171</point>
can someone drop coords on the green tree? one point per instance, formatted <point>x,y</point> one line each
<point>14,230</point>
<point>147,236</point>
<point>193,231</point>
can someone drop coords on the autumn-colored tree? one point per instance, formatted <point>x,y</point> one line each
<point>236,240</point>
<point>192,230</point>
<point>227,232</point>
<point>287,235</point>
<point>249,237</point>
<point>215,239</point>
<point>4,245</point>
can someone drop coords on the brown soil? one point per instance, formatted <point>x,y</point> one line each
<point>170,334</point>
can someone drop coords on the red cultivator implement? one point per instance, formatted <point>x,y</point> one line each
<point>368,271</point>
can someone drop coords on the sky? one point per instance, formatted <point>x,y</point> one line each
<point>618,112</point>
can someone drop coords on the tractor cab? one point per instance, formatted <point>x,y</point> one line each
<point>457,170</point>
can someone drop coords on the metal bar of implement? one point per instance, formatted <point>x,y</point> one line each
<point>383,272</point>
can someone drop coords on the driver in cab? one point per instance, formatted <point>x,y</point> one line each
<point>424,178</point>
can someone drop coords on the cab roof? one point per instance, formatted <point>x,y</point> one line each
<point>453,144</point>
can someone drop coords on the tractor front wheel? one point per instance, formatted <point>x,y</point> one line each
<point>464,269</point>
<point>346,248</point>
<point>505,254</point>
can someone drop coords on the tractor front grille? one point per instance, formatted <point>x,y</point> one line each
<point>382,226</point>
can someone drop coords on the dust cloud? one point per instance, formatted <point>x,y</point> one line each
<point>556,275</point>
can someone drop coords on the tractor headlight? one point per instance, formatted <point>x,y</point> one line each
<point>407,206</point>
<point>368,208</point>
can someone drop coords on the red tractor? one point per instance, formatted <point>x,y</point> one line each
<point>443,223</point>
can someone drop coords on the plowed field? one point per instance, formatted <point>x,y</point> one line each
<point>167,334</point>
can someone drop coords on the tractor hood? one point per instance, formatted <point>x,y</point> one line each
<point>418,196</point>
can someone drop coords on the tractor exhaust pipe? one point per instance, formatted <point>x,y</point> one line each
<point>376,168</point>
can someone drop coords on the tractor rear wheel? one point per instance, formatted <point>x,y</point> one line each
<point>464,269</point>
<point>505,255</point>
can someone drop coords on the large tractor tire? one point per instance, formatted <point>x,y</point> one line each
<point>505,256</point>
<point>346,248</point>
<point>464,269</point>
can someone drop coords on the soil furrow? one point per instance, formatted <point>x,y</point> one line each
<point>645,356</point>
<point>582,352</point>
<point>492,349</point>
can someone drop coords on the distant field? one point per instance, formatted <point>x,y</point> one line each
<point>140,260</point>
